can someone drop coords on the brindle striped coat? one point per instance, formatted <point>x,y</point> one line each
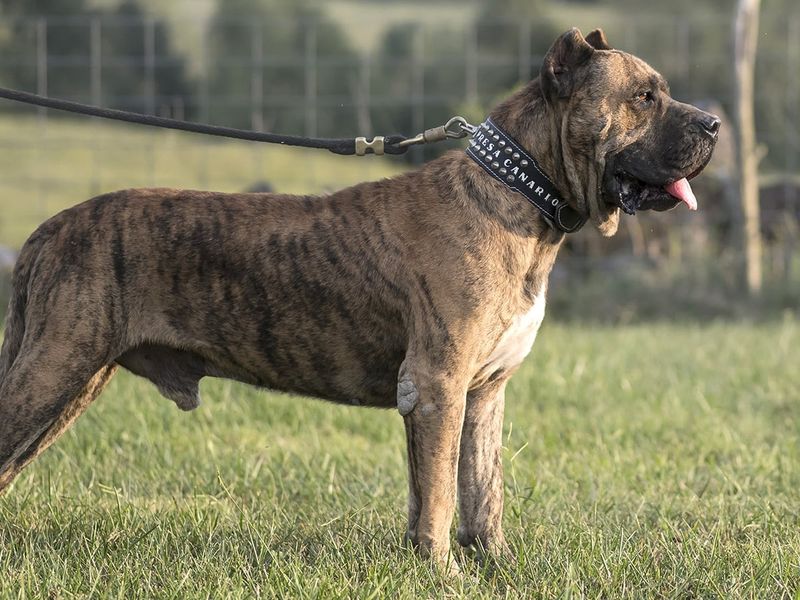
<point>422,292</point>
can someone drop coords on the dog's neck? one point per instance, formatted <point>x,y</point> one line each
<point>526,117</point>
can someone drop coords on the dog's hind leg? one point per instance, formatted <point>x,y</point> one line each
<point>41,395</point>
<point>58,344</point>
<point>15,320</point>
<point>12,340</point>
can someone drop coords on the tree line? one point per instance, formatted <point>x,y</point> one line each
<point>258,54</point>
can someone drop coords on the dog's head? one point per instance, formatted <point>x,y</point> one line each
<point>624,142</point>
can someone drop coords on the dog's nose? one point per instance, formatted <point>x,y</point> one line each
<point>710,124</point>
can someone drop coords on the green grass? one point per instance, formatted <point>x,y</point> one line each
<point>641,461</point>
<point>53,164</point>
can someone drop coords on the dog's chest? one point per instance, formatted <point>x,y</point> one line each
<point>516,341</point>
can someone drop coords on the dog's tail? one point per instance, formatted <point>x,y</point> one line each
<point>15,317</point>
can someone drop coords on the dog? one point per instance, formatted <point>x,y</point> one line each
<point>422,293</point>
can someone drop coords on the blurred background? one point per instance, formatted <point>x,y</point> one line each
<point>362,67</point>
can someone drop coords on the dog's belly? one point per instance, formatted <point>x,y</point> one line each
<point>304,337</point>
<point>331,366</point>
<point>516,341</point>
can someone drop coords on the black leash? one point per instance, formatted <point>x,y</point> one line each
<point>457,127</point>
<point>490,146</point>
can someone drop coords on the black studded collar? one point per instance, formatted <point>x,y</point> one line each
<point>505,160</point>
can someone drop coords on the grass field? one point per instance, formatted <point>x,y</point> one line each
<point>53,164</point>
<point>641,461</point>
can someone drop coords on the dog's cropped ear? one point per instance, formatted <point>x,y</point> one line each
<point>565,56</point>
<point>597,40</point>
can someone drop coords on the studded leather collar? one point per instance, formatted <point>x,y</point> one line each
<point>505,160</point>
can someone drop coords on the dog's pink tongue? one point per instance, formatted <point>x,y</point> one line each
<point>683,192</point>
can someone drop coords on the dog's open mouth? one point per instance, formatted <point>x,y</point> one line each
<point>633,194</point>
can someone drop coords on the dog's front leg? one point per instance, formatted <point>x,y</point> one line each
<point>480,471</point>
<point>433,407</point>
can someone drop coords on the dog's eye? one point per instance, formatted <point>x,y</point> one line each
<point>645,97</point>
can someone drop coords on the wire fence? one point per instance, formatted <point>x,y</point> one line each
<point>307,77</point>
<point>420,68</point>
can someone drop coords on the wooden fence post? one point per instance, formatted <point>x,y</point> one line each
<point>745,44</point>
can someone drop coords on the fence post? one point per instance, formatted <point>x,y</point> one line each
<point>41,61</point>
<point>364,96</point>
<point>96,62</point>
<point>205,80</point>
<point>471,65</point>
<point>418,83</point>
<point>311,78</point>
<point>745,45</point>
<point>683,39</point>
<point>150,65</point>
<point>96,91</point>
<point>41,89</point>
<point>792,143</point>
<point>257,78</point>
<point>525,65</point>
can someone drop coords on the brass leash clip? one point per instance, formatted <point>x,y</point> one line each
<point>455,128</point>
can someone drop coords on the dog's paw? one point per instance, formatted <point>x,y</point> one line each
<point>487,546</point>
<point>444,560</point>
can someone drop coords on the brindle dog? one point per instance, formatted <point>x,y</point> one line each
<point>423,292</point>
